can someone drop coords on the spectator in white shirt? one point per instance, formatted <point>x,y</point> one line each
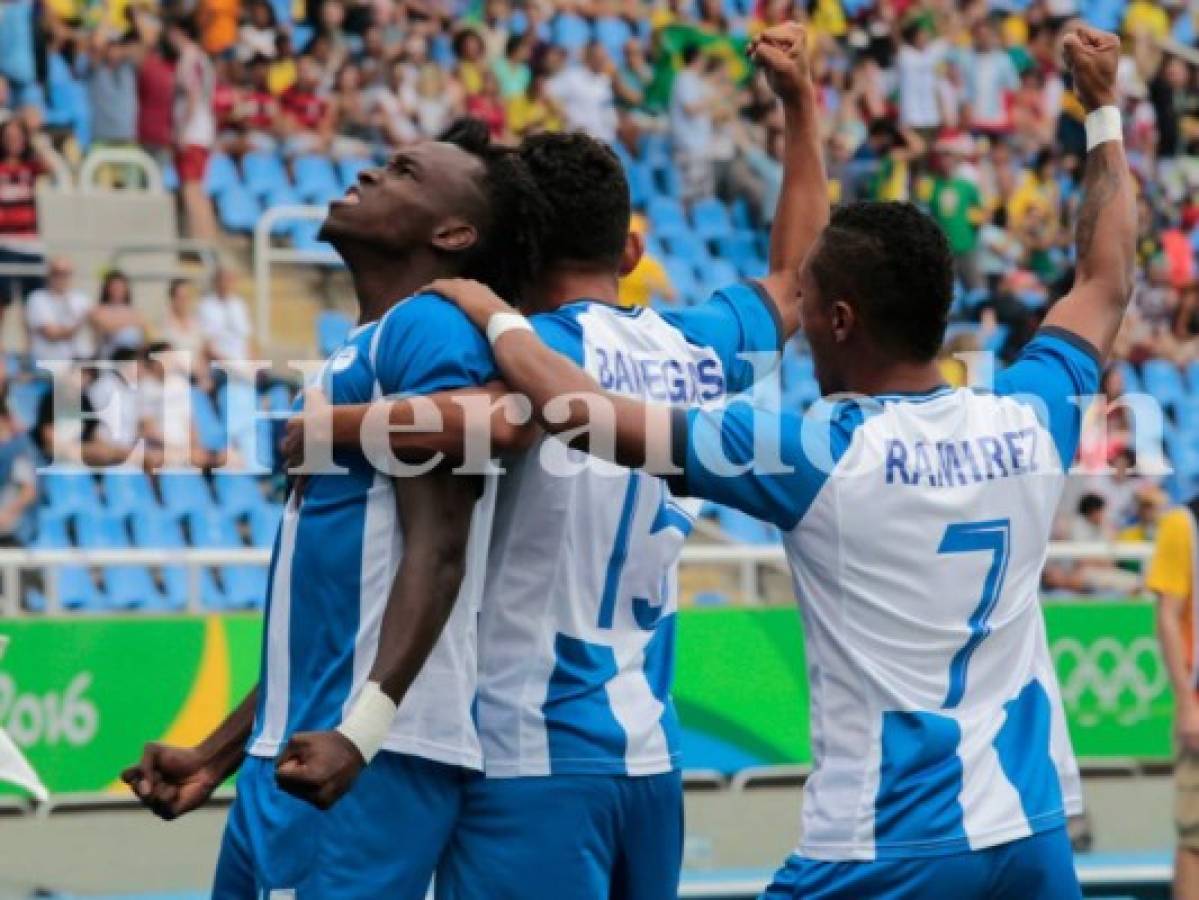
<point>58,316</point>
<point>919,58</point>
<point>991,79</point>
<point>692,102</point>
<point>225,320</point>
<point>584,92</point>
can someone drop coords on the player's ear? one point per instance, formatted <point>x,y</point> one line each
<point>455,236</point>
<point>634,249</point>
<point>842,319</point>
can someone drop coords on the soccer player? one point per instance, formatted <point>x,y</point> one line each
<point>364,575</point>
<point>916,520</point>
<point>576,629</point>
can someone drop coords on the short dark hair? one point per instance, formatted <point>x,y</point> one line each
<point>588,195</point>
<point>690,54</point>
<point>509,252</point>
<point>1089,504</point>
<point>893,264</point>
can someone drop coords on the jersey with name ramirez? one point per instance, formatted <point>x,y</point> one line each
<point>338,549</point>
<point>916,528</point>
<point>576,636</point>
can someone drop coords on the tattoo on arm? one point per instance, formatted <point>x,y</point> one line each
<point>1100,183</point>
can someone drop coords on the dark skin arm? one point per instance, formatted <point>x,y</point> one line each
<point>463,421</point>
<point>435,514</point>
<point>172,781</point>
<point>1105,235</point>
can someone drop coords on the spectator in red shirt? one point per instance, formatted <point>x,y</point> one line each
<point>155,92</point>
<point>488,106</point>
<point>307,116</point>
<point>20,168</point>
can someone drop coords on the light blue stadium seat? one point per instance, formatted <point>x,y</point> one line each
<point>101,530</point>
<point>656,150</point>
<point>613,33</point>
<point>570,32</point>
<point>687,246</point>
<point>315,179</point>
<point>237,405</point>
<point>666,217</point>
<point>213,528</point>
<point>155,528</point>
<point>717,275</point>
<point>264,524</point>
<point>209,428</point>
<point>1163,381</point>
<point>711,219</point>
<point>1192,375</point>
<point>350,167</point>
<point>281,196</point>
<point>682,276</point>
<point>303,234</point>
<point>132,587</point>
<point>184,492</point>
<point>238,210</point>
<point>69,491</point>
<point>127,491</point>
<point>245,586</point>
<point>1132,379</point>
<point>24,398</point>
<point>66,100</point>
<point>670,181</point>
<point>711,598</point>
<point>641,184</point>
<point>175,588</point>
<point>263,173</point>
<point>51,531</point>
<point>738,247</point>
<point>221,175</point>
<point>237,493</point>
<point>77,591</point>
<point>332,328</point>
<point>170,178</point>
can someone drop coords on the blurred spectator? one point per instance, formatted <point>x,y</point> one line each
<point>991,80</point>
<point>472,58</point>
<point>20,168</point>
<point>58,316</point>
<point>432,102</point>
<point>692,103</point>
<point>920,57</point>
<point>18,64</point>
<point>182,327</point>
<point>224,320</point>
<point>115,322</point>
<point>1091,524</point>
<point>355,133</point>
<point>308,116</point>
<point>112,91</point>
<point>584,93</point>
<point>534,110</point>
<point>957,205</point>
<point>488,106</point>
<point>512,69</point>
<point>155,93</point>
<point>194,125</point>
<point>66,430</point>
<point>218,21</point>
<point>258,36</point>
<point>18,482</point>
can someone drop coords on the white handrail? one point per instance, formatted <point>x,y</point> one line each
<point>265,254</point>
<point>120,156</point>
<point>746,557</point>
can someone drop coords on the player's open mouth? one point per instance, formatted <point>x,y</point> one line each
<point>351,198</point>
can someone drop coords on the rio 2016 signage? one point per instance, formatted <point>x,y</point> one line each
<point>80,696</point>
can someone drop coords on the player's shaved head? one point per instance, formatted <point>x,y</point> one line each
<point>588,195</point>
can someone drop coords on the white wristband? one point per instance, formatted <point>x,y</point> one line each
<point>502,323</point>
<point>369,720</point>
<point>1104,124</point>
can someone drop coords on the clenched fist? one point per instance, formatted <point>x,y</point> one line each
<point>781,53</point>
<point>1092,57</point>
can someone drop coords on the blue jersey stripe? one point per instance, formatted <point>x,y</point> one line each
<point>1022,746</point>
<point>581,727</point>
<point>620,553</point>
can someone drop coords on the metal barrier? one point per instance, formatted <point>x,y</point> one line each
<point>265,255</point>
<point>120,156</point>
<point>747,559</point>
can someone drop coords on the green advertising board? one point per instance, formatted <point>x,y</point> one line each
<point>80,696</point>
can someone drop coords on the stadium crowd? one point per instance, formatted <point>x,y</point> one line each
<point>962,107</point>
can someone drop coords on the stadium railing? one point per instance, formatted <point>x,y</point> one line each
<point>266,255</point>
<point>747,559</point>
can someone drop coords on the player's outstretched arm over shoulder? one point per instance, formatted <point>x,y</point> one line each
<point>1105,233</point>
<point>435,516</point>
<point>564,399</point>
<point>803,204</point>
<point>172,781</point>
<point>416,428</point>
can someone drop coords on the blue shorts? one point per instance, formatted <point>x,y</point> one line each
<point>567,837</point>
<point>1040,867</point>
<point>382,839</point>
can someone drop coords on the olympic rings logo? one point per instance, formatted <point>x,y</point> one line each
<point>1116,678</point>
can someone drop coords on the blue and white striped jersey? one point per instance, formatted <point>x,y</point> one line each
<point>338,549</point>
<point>577,628</point>
<point>916,528</point>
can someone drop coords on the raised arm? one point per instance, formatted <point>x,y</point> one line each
<point>803,205</point>
<point>1105,233</point>
<point>565,400</point>
<point>435,515</point>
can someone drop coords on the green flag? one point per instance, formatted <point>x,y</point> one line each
<point>673,39</point>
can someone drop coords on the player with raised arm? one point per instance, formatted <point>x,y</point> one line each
<point>576,635</point>
<point>916,521</point>
<point>368,608</point>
